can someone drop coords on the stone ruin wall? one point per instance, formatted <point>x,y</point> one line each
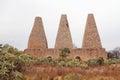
<point>37,44</point>
<point>91,46</point>
<point>84,54</point>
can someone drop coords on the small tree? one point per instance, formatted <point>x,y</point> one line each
<point>64,53</point>
<point>117,49</point>
<point>100,61</point>
<point>114,54</point>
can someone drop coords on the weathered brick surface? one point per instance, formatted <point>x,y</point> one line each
<point>63,39</point>
<point>37,44</point>
<point>84,54</point>
<point>91,47</point>
<point>37,39</point>
<point>91,37</point>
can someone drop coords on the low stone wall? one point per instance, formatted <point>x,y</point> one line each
<point>84,54</point>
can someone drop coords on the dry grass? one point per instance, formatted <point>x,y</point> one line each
<point>104,72</point>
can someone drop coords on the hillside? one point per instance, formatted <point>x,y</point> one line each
<point>92,72</point>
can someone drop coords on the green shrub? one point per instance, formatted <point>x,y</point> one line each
<point>40,61</point>
<point>70,63</point>
<point>83,65</point>
<point>95,62</point>
<point>64,53</point>
<point>100,61</point>
<point>12,62</point>
<point>61,64</point>
<point>92,62</point>
<point>72,76</point>
<point>112,61</point>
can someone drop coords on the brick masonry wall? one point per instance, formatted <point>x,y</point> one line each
<point>37,39</point>
<point>37,44</point>
<point>91,47</point>
<point>63,39</point>
<point>84,54</point>
<point>91,36</point>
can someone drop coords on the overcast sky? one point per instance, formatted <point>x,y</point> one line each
<point>17,18</point>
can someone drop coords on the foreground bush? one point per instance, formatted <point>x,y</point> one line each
<point>12,62</point>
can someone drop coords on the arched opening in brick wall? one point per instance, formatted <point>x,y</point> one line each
<point>49,58</point>
<point>77,58</point>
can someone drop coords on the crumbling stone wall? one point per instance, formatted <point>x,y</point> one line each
<point>91,47</point>
<point>84,54</point>
<point>37,44</point>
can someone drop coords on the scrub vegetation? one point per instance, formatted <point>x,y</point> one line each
<point>16,65</point>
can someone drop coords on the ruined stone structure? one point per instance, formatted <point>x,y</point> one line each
<point>63,36</point>
<point>37,39</point>
<point>91,37</point>
<point>91,47</point>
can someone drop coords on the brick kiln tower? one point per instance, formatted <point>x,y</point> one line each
<point>91,38</point>
<point>37,39</point>
<point>91,47</point>
<point>63,39</point>
<point>37,44</point>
